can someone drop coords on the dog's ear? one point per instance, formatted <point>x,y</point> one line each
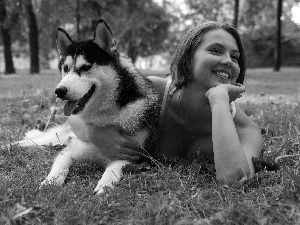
<point>104,37</point>
<point>63,40</point>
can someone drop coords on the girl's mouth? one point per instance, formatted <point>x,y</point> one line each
<point>222,74</point>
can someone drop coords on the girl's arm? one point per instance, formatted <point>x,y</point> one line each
<point>115,143</point>
<point>250,137</point>
<point>233,144</point>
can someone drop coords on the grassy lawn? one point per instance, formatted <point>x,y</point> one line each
<point>180,194</point>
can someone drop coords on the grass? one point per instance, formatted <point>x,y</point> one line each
<point>180,194</point>
<point>23,84</point>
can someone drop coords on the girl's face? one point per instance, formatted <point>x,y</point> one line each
<point>216,59</point>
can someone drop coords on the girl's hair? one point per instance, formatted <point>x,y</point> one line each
<point>181,65</point>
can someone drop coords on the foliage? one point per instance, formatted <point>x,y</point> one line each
<point>258,25</point>
<point>14,21</point>
<point>221,10</point>
<point>132,22</point>
<point>145,28</point>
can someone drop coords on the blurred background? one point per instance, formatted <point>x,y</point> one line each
<point>147,31</point>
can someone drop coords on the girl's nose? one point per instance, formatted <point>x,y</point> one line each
<point>226,60</point>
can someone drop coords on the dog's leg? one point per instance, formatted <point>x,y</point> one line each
<point>56,135</point>
<point>111,175</point>
<point>60,168</point>
<point>76,150</point>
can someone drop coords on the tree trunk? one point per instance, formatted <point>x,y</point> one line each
<point>33,38</point>
<point>78,19</point>
<point>9,66</point>
<point>132,53</point>
<point>277,52</point>
<point>236,13</point>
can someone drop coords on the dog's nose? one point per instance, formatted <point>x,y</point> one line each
<point>61,92</point>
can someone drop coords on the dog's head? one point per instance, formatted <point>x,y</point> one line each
<point>79,65</point>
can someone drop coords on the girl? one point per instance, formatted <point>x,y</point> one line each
<point>198,114</point>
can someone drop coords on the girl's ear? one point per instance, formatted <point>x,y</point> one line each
<point>63,40</point>
<point>104,37</point>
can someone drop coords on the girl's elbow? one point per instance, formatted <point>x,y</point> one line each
<point>233,176</point>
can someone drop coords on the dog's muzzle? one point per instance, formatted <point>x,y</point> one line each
<point>74,106</point>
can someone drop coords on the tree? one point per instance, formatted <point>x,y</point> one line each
<point>145,29</point>
<point>78,17</point>
<point>221,10</point>
<point>47,32</point>
<point>140,27</point>
<point>5,31</point>
<point>258,20</point>
<point>33,38</point>
<point>236,13</point>
<point>277,52</point>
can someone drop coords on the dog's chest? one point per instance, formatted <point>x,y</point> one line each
<point>79,128</point>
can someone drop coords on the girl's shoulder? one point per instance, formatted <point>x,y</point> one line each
<point>158,82</point>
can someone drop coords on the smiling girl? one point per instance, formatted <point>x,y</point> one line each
<point>198,113</point>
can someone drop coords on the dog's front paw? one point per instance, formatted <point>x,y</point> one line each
<point>59,181</point>
<point>44,183</point>
<point>102,187</point>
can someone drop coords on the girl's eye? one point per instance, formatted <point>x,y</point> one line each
<point>235,58</point>
<point>215,50</point>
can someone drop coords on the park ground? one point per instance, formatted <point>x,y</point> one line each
<point>179,194</point>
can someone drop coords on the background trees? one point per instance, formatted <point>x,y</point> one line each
<point>6,39</point>
<point>277,51</point>
<point>259,21</point>
<point>144,28</point>
<point>33,37</point>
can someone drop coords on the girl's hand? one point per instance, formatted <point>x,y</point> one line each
<point>115,143</point>
<point>225,92</point>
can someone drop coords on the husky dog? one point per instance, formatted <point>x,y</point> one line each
<point>101,87</point>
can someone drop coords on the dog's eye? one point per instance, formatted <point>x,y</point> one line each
<point>65,68</point>
<point>85,67</point>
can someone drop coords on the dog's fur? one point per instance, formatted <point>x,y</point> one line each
<point>101,88</point>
